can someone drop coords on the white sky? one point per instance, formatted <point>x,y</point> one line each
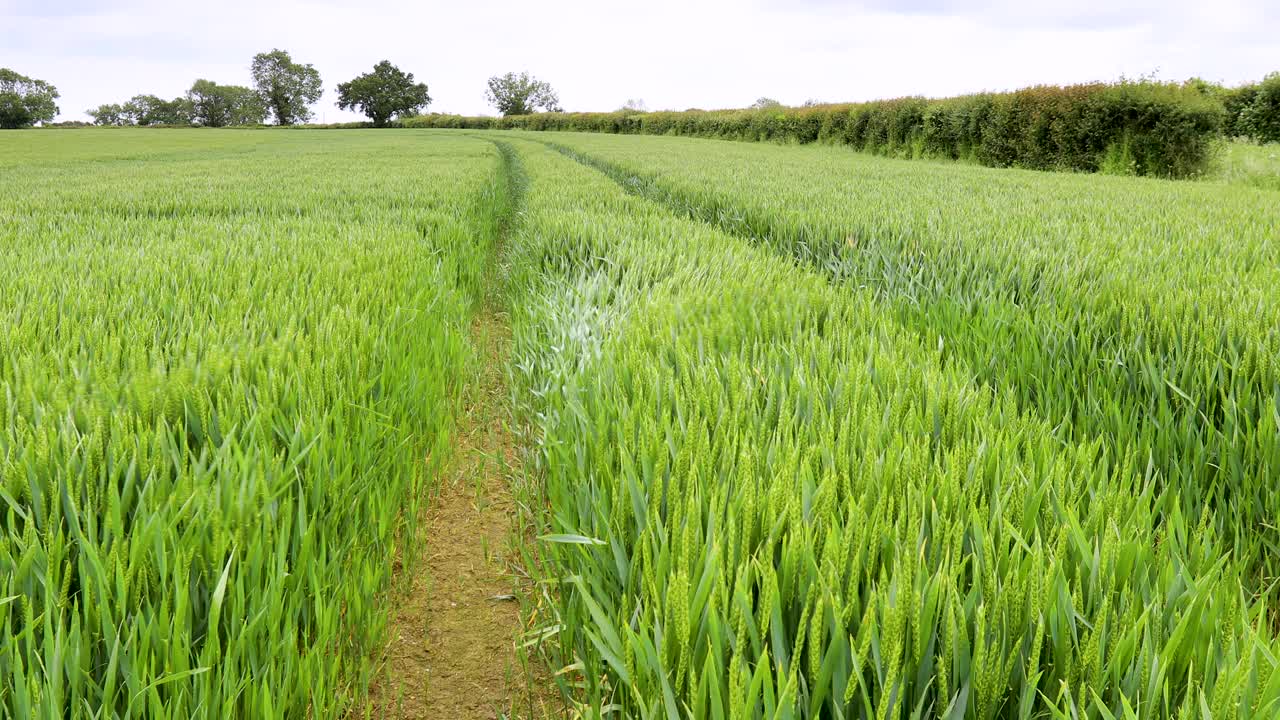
<point>673,54</point>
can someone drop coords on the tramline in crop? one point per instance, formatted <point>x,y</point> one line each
<point>1144,315</point>
<point>811,434</point>
<point>225,358</point>
<point>782,491</point>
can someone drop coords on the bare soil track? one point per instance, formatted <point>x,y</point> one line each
<point>451,650</point>
<point>456,622</point>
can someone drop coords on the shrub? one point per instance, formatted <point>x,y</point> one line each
<point>1235,101</point>
<point>1260,119</point>
<point>1146,127</point>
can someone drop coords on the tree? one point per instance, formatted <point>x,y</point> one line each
<point>521,94</point>
<point>141,109</point>
<point>765,103</point>
<point>214,105</point>
<point>209,105</point>
<point>634,105</point>
<point>383,94</point>
<point>151,110</point>
<point>25,101</point>
<point>246,105</point>
<point>108,114</point>
<point>286,87</point>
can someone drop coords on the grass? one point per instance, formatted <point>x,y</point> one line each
<point>1108,307</point>
<point>809,433</point>
<point>225,358</point>
<point>818,445</point>
<point>1245,163</point>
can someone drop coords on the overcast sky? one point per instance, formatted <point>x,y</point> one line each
<point>674,54</point>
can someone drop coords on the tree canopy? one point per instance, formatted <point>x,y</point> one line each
<point>383,94</point>
<point>214,105</point>
<point>287,88</point>
<point>25,101</point>
<point>153,110</point>
<point>108,114</point>
<point>521,94</point>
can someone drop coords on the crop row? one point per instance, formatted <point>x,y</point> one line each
<point>770,493</point>
<point>224,362</point>
<point>1142,314</point>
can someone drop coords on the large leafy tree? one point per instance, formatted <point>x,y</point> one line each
<point>25,101</point>
<point>214,105</point>
<point>108,114</point>
<point>287,88</point>
<point>152,110</point>
<point>521,94</point>
<point>246,105</point>
<point>383,94</point>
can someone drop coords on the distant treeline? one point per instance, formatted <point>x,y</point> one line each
<point>207,103</point>
<point>1131,127</point>
<point>283,90</point>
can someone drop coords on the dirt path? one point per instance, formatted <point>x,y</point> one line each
<point>451,650</point>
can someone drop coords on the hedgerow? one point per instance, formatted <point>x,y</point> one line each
<point>1141,128</point>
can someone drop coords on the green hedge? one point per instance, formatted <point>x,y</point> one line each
<point>1143,128</point>
<point>1253,111</point>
